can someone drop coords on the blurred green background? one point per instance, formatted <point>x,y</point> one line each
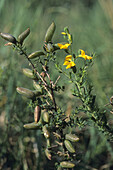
<point>91,24</point>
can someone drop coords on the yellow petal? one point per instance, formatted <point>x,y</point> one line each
<point>82,52</point>
<point>60,45</point>
<point>80,55</point>
<point>72,64</point>
<point>65,46</point>
<point>88,57</point>
<point>68,66</point>
<point>66,63</point>
<point>68,57</point>
<point>63,33</point>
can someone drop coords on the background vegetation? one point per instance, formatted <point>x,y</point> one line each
<point>91,23</point>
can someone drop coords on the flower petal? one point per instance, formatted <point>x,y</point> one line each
<point>68,57</point>
<point>72,64</point>
<point>88,57</point>
<point>66,63</point>
<point>63,33</point>
<point>82,52</point>
<point>68,66</point>
<point>65,46</point>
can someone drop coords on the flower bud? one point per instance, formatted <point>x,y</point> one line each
<point>23,35</point>
<point>46,132</point>
<point>8,37</point>
<point>36,54</point>
<point>48,154</point>
<point>66,164</point>
<point>72,137</point>
<point>50,32</point>
<point>25,92</point>
<point>28,73</point>
<point>37,113</point>
<point>69,146</point>
<point>32,126</point>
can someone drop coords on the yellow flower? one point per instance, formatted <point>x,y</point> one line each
<point>65,46</point>
<point>83,55</point>
<point>68,62</point>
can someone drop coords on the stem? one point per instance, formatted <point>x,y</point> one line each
<point>45,84</point>
<point>56,82</point>
<point>52,92</point>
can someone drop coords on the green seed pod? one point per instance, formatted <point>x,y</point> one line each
<point>50,32</point>
<point>46,117</point>
<point>23,35</point>
<point>37,86</point>
<point>8,37</point>
<point>25,92</point>
<point>36,54</point>
<point>32,126</point>
<point>66,164</point>
<point>37,113</point>
<point>69,146</point>
<point>28,73</point>
<point>46,132</point>
<point>48,154</point>
<point>72,137</point>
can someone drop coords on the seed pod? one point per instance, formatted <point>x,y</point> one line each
<point>36,54</point>
<point>37,86</point>
<point>28,73</point>
<point>66,164</point>
<point>8,37</point>
<point>25,92</point>
<point>23,35</point>
<point>50,32</point>
<point>32,126</point>
<point>46,132</point>
<point>72,137</point>
<point>37,113</point>
<point>46,117</point>
<point>69,146</point>
<point>48,154</point>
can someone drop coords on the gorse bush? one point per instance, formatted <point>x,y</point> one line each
<point>60,126</point>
